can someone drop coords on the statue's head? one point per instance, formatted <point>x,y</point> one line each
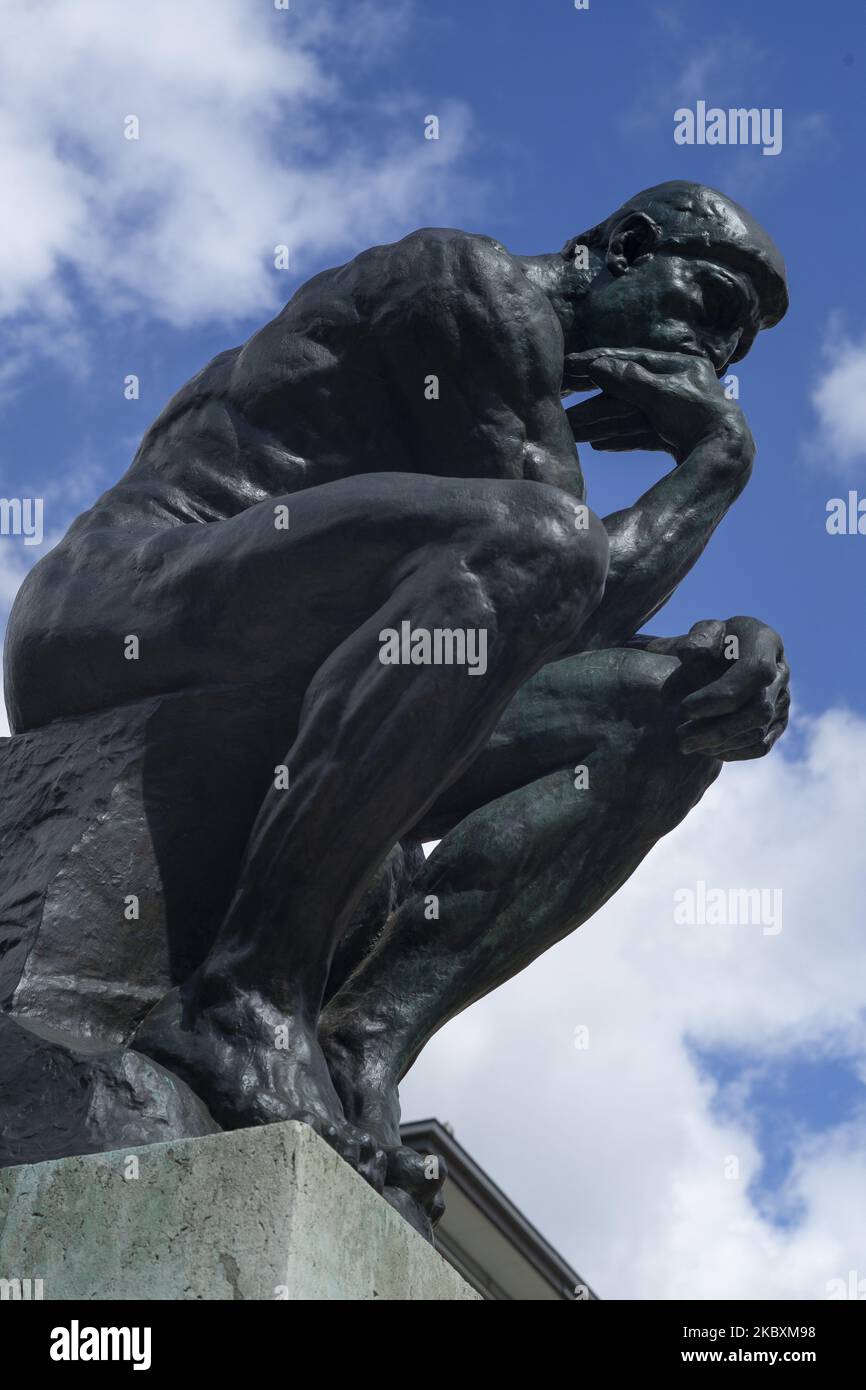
<point>678,267</point>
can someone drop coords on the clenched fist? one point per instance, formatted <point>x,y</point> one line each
<point>743,711</point>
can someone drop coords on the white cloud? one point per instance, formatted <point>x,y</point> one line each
<point>249,137</point>
<point>616,1152</point>
<point>840,401</point>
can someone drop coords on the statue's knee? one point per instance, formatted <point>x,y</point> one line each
<point>545,559</point>
<point>574,554</point>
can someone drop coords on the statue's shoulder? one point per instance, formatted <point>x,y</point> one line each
<point>435,268</point>
<point>450,241</point>
<point>403,277</point>
<point>211,383</point>
<point>434,253</point>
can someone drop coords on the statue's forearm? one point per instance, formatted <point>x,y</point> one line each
<point>655,543</point>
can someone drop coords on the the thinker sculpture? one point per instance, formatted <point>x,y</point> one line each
<point>214,909</point>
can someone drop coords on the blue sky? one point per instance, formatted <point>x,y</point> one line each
<point>785,1098</point>
<point>305,127</point>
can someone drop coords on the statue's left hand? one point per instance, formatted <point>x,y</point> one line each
<point>742,713</point>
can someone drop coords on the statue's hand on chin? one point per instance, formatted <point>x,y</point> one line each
<point>670,401</point>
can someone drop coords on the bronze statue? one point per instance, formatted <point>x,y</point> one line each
<point>349,597</point>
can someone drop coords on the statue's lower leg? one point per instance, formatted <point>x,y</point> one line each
<point>509,881</point>
<point>242,1031</point>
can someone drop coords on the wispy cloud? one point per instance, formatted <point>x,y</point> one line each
<point>720,65</point>
<point>727,69</point>
<point>839,399</point>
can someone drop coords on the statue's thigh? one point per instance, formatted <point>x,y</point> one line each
<point>280,586</point>
<point>112,616</point>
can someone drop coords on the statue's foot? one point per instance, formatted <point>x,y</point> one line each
<point>371,1102</point>
<point>412,1211</point>
<point>252,1065</point>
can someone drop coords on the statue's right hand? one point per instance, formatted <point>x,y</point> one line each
<point>663,400</point>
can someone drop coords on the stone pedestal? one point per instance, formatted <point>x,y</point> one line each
<point>266,1214</point>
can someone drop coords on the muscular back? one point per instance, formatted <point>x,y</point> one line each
<point>341,383</point>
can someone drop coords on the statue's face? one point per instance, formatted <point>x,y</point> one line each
<point>672,304</point>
